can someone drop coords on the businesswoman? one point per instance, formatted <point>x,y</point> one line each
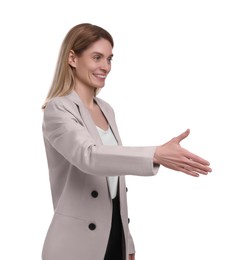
<point>87,162</point>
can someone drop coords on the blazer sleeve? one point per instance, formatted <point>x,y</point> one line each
<point>73,141</point>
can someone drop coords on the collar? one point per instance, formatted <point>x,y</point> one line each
<point>87,119</point>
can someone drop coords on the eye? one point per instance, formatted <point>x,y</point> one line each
<point>110,59</point>
<point>96,57</point>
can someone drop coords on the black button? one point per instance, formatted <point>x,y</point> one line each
<point>126,189</point>
<point>94,194</point>
<point>128,220</point>
<point>92,226</point>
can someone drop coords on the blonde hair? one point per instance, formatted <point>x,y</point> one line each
<point>78,39</point>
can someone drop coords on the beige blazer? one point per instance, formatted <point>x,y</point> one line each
<point>78,165</point>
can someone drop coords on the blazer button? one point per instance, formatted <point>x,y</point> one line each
<point>128,220</point>
<point>94,194</point>
<point>92,226</point>
<point>126,189</point>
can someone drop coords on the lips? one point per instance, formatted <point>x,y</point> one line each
<point>100,76</point>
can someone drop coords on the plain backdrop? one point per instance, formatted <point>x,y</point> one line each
<point>177,65</point>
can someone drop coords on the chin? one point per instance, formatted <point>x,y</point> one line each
<point>98,89</point>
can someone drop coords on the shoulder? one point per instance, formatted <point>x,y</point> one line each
<point>60,103</point>
<point>61,107</point>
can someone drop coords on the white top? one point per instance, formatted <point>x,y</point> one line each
<point>108,138</point>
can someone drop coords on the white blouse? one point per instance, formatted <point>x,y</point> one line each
<point>108,138</point>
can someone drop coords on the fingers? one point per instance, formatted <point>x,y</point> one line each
<point>190,155</point>
<point>195,172</point>
<point>204,169</point>
<point>197,160</point>
<point>182,136</point>
<point>194,168</point>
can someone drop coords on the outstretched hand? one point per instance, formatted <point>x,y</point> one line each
<point>171,155</point>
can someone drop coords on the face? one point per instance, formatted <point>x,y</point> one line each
<point>93,65</point>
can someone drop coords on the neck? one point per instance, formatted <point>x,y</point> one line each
<point>86,95</point>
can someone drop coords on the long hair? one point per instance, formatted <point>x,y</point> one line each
<point>78,39</point>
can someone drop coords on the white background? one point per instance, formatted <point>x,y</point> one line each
<point>177,65</point>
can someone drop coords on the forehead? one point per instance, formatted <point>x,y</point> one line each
<point>102,46</point>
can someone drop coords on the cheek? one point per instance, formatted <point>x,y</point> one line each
<point>83,70</point>
<point>81,74</point>
<point>109,68</point>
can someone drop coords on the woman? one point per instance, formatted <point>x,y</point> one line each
<point>86,160</point>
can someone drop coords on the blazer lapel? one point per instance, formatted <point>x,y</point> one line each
<point>88,121</point>
<point>85,116</point>
<point>111,120</point>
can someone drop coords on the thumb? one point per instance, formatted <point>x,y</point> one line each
<point>183,135</point>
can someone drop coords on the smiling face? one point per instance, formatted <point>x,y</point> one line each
<point>92,66</point>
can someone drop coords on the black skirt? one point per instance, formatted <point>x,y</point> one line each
<point>115,244</point>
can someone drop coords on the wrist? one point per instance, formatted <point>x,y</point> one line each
<point>155,157</point>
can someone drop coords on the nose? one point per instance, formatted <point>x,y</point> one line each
<point>105,65</point>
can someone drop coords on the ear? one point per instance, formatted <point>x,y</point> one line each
<point>72,59</point>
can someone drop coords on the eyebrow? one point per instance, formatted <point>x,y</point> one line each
<point>99,53</point>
